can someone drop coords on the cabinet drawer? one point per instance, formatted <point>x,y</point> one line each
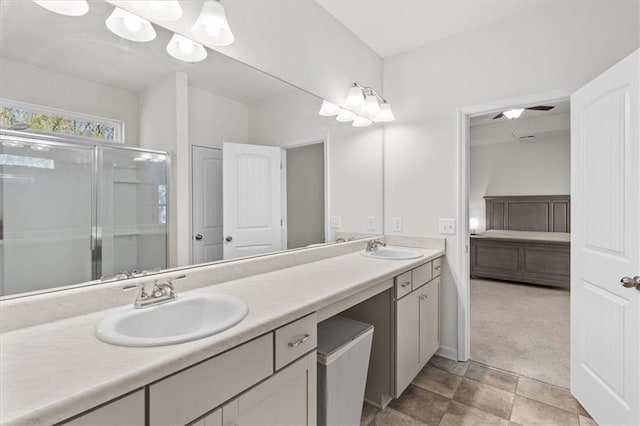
<point>296,339</point>
<point>421,275</point>
<point>403,284</point>
<point>437,267</point>
<point>189,394</point>
<point>128,410</point>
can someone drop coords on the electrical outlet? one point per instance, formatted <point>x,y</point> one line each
<point>447,226</point>
<point>397,224</point>
<point>371,223</point>
<point>336,222</point>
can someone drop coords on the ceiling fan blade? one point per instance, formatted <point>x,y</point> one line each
<point>498,116</point>
<point>541,108</point>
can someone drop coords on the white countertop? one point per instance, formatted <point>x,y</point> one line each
<point>53,371</point>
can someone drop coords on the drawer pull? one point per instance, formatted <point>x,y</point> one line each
<point>404,284</point>
<point>300,341</point>
<point>424,297</point>
<point>436,267</point>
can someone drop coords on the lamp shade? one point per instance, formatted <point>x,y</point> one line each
<point>513,113</point>
<point>186,50</point>
<point>355,99</point>
<point>474,222</point>
<point>385,114</point>
<point>161,10</point>
<point>361,121</point>
<point>132,27</point>
<point>65,7</point>
<point>345,115</point>
<point>371,107</point>
<point>329,109</point>
<point>212,26</point>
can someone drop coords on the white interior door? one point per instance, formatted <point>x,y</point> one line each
<point>251,199</point>
<point>605,180</point>
<point>207,204</point>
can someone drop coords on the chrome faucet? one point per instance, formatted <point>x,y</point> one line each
<point>163,291</point>
<point>373,245</point>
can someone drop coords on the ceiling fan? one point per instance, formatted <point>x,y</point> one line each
<point>515,113</point>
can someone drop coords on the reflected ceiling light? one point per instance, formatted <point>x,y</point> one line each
<point>371,106</point>
<point>132,27</point>
<point>385,115</point>
<point>13,144</point>
<point>345,115</point>
<point>212,26</point>
<point>161,10</point>
<point>65,7</point>
<point>329,109</point>
<point>361,121</point>
<point>513,113</point>
<point>355,99</point>
<point>39,148</point>
<point>186,50</point>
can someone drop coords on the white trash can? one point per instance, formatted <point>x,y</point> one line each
<point>344,346</point>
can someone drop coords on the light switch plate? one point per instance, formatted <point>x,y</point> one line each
<point>397,224</point>
<point>371,223</point>
<point>336,222</point>
<point>447,226</point>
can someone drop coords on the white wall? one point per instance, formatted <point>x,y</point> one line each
<point>214,119</point>
<point>563,45</point>
<point>26,83</point>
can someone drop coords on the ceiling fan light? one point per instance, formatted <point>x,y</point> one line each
<point>212,26</point>
<point>371,106</point>
<point>65,7</point>
<point>186,50</point>
<point>161,10</point>
<point>345,116</point>
<point>385,114</point>
<point>361,121</point>
<point>513,113</point>
<point>329,109</point>
<point>355,99</point>
<point>129,26</point>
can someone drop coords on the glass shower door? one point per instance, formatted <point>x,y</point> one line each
<point>45,215</point>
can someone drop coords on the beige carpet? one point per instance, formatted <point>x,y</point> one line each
<point>521,328</point>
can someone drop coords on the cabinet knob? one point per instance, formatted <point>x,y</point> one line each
<point>424,297</point>
<point>404,284</point>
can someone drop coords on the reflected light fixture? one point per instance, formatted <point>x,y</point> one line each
<point>329,109</point>
<point>371,107</point>
<point>13,144</point>
<point>361,121</point>
<point>39,148</point>
<point>355,99</point>
<point>345,116</point>
<point>65,7</point>
<point>212,26</point>
<point>129,26</point>
<point>161,10</point>
<point>385,115</point>
<point>513,113</point>
<point>185,49</point>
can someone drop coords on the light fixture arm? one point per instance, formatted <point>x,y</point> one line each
<point>371,91</point>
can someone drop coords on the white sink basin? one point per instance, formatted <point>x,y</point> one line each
<point>392,253</point>
<point>182,320</point>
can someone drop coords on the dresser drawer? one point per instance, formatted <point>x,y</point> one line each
<point>421,275</point>
<point>403,284</point>
<point>189,394</point>
<point>296,339</point>
<point>437,267</point>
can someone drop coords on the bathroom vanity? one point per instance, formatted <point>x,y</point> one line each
<point>263,368</point>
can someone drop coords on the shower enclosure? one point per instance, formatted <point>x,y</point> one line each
<point>72,211</point>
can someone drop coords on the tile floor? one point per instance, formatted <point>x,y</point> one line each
<point>466,393</point>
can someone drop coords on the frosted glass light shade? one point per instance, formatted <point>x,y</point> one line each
<point>329,109</point>
<point>474,222</point>
<point>186,50</point>
<point>132,27</point>
<point>161,10</point>
<point>65,7</point>
<point>385,114</point>
<point>212,26</point>
<point>345,115</point>
<point>513,113</point>
<point>361,121</point>
<point>371,107</point>
<point>355,99</point>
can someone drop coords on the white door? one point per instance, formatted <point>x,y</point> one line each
<point>251,199</point>
<point>207,204</point>
<point>605,191</point>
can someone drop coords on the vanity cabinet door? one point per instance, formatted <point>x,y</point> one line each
<point>286,398</point>
<point>407,349</point>
<point>126,411</point>
<point>429,301</point>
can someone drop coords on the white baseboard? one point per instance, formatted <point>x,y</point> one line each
<point>446,352</point>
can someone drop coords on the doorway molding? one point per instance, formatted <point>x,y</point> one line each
<point>463,115</point>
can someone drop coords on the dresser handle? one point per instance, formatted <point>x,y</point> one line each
<point>436,267</point>
<point>404,284</point>
<point>424,297</point>
<point>299,342</point>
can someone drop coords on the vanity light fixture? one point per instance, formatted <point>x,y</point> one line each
<point>65,7</point>
<point>329,109</point>
<point>361,121</point>
<point>371,107</point>
<point>513,113</point>
<point>212,26</point>
<point>345,116</point>
<point>185,49</point>
<point>363,106</point>
<point>129,26</point>
<point>355,99</point>
<point>161,10</point>
<point>385,115</point>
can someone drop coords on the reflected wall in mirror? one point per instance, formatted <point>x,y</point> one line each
<point>252,167</point>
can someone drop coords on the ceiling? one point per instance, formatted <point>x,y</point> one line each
<point>560,107</point>
<point>389,27</point>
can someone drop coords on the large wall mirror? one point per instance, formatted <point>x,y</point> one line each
<point>117,158</point>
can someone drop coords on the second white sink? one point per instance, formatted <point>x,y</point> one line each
<point>182,320</point>
<point>392,253</point>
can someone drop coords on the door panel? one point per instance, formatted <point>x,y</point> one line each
<point>207,204</point>
<point>407,340</point>
<point>429,320</point>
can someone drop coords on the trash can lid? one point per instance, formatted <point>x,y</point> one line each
<point>335,332</point>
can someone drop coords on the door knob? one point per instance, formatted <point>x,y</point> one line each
<point>228,238</point>
<point>631,282</point>
<point>199,237</point>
